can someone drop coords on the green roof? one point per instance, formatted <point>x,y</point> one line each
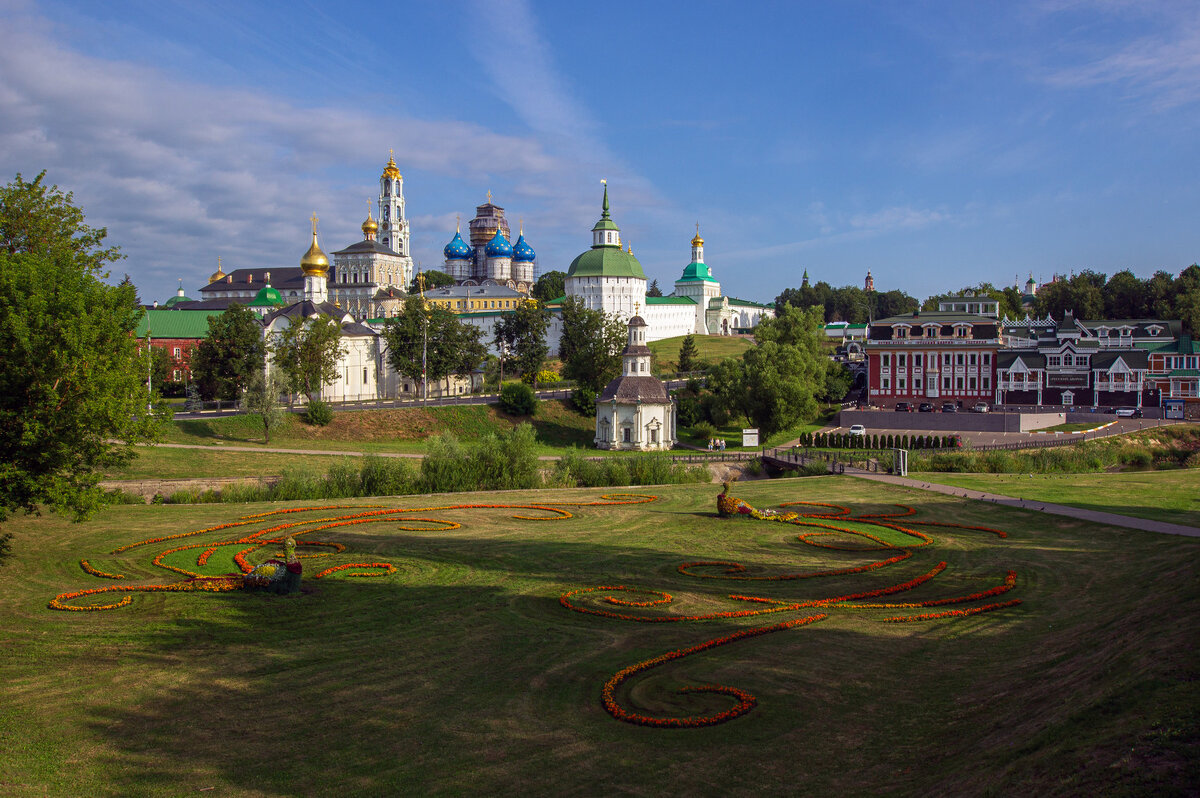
<point>670,300</point>
<point>175,300</point>
<point>696,272</point>
<point>176,323</point>
<point>747,303</point>
<point>1185,373</point>
<point>606,262</point>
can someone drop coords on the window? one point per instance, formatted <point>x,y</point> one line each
<point>654,436</point>
<point>364,376</point>
<point>917,384</point>
<point>958,359</point>
<point>958,383</point>
<point>946,384</point>
<point>1067,361</point>
<point>987,359</point>
<point>885,360</point>
<point>902,360</point>
<point>945,358</point>
<point>986,382</point>
<point>1054,360</point>
<point>917,359</point>
<point>971,359</point>
<point>970,383</point>
<point>176,351</point>
<point>625,432</point>
<point>901,332</point>
<point>175,375</point>
<point>885,382</point>
<point>902,383</point>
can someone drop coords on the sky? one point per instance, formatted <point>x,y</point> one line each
<point>936,144</point>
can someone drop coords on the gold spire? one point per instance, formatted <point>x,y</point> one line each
<point>489,195</point>
<point>315,263</point>
<point>697,241</point>
<point>218,274</point>
<point>458,222</point>
<point>521,225</point>
<point>390,170</point>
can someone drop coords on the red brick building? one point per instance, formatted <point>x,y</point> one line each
<point>178,333</point>
<point>932,357</point>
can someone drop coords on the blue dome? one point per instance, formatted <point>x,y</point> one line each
<point>498,247</point>
<point>522,252</point>
<point>457,249</point>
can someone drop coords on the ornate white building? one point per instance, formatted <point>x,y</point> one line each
<point>369,279</point>
<point>635,412</point>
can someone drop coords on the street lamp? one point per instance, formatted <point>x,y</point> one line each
<point>424,339</point>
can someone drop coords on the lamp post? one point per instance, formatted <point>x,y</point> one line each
<point>424,339</point>
<point>149,370</point>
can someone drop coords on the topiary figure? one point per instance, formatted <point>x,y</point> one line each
<point>277,576</point>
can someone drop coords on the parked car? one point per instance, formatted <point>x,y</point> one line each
<point>858,431</point>
<point>949,407</point>
<point>904,407</point>
<point>1129,412</point>
<point>925,408</point>
<point>981,407</point>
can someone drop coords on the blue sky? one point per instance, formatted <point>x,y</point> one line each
<point>938,144</point>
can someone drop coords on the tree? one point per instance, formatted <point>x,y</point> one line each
<point>308,354</point>
<point>35,218</point>
<point>434,278</point>
<point>590,346</point>
<point>653,289</point>
<point>262,400</point>
<point>230,354</point>
<point>73,398</point>
<point>688,353</point>
<point>550,285</point>
<point>522,336</point>
<point>518,399</point>
<point>451,346</point>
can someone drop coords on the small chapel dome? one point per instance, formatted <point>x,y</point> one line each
<point>522,252</point>
<point>370,225</point>
<point>498,247</point>
<point>315,263</point>
<point>457,249</point>
<point>637,321</point>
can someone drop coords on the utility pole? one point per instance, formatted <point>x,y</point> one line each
<point>424,339</point>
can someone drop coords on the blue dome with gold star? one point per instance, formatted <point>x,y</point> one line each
<point>457,249</point>
<point>498,247</point>
<point>522,252</point>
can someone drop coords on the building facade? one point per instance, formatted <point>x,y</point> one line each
<point>491,259</point>
<point>932,357</point>
<point>635,412</point>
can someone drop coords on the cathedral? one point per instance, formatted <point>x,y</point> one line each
<point>491,259</point>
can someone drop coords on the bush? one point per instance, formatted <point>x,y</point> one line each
<point>546,376</point>
<point>690,412</point>
<point>584,401</point>
<point>704,429</point>
<point>518,399</point>
<point>318,413</point>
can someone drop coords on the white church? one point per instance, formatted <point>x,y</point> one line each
<point>609,278</point>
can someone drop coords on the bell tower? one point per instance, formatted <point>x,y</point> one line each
<point>393,225</point>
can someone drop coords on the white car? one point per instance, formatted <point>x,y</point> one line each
<point>858,430</point>
<point>1128,412</point>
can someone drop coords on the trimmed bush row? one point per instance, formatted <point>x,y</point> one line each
<point>842,440</point>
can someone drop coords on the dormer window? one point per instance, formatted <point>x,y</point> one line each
<point>1154,330</point>
<point>902,331</point>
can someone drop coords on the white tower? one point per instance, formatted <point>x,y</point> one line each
<point>393,225</point>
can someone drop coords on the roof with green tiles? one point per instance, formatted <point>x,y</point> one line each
<point>175,323</point>
<point>670,300</point>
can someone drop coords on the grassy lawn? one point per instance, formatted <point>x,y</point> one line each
<point>732,433</point>
<point>710,349</point>
<point>1172,496</point>
<point>157,462</point>
<point>393,430</point>
<point>1081,426</point>
<point>462,672</point>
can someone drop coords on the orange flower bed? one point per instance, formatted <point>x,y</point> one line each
<point>933,616</point>
<point>387,567</point>
<point>745,701</point>
<point>86,566</point>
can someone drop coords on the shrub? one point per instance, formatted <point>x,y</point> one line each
<point>547,376</point>
<point>704,430</point>
<point>518,399</point>
<point>318,413</point>
<point>690,412</point>
<point>584,401</point>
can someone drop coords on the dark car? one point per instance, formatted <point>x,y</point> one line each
<point>904,407</point>
<point>925,407</point>
<point>1129,412</point>
<point>949,407</point>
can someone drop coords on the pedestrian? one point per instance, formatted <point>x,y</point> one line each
<point>710,440</point>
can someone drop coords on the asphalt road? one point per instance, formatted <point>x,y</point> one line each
<point>981,438</point>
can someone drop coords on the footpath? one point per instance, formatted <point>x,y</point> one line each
<point>1094,516</point>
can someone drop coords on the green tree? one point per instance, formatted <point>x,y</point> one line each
<point>230,354</point>
<point>653,289</point>
<point>434,278</point>
<point>518,399</point>
<point>590,346</point>
<point>308,354</point>
<point>688,353</point>
<point>73,400</point>
<point>451,346</point>
<point>36,218</point>
<point>521,336</point>
<point>550,285</point>
<point>262,400</point>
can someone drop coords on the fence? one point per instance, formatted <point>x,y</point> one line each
<point>874,461</point>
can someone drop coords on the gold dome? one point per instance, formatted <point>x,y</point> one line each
<point>697,241</point>
<point>390,170</point>
<point>218,274</point>
<point>315,263</point>
<point>370,225</point>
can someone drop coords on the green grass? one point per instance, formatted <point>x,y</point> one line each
<point>710,349</point>
<point>462,673</point>
<point>158,462</point>
<point>732,433</point>
<point>1171,496</point>
<point>398,430</point>
<point>1082,426</point>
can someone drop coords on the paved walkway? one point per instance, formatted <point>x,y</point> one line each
<point>1095,516</point>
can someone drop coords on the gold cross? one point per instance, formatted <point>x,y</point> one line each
<point>489,195</point>
<point>314,221</point>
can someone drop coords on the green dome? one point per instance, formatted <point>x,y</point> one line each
<point>268,296</point>
<point>606,262</point>
<point>697,271</point>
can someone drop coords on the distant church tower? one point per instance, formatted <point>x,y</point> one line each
<point>393,226</point>
<point>869,285</point>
